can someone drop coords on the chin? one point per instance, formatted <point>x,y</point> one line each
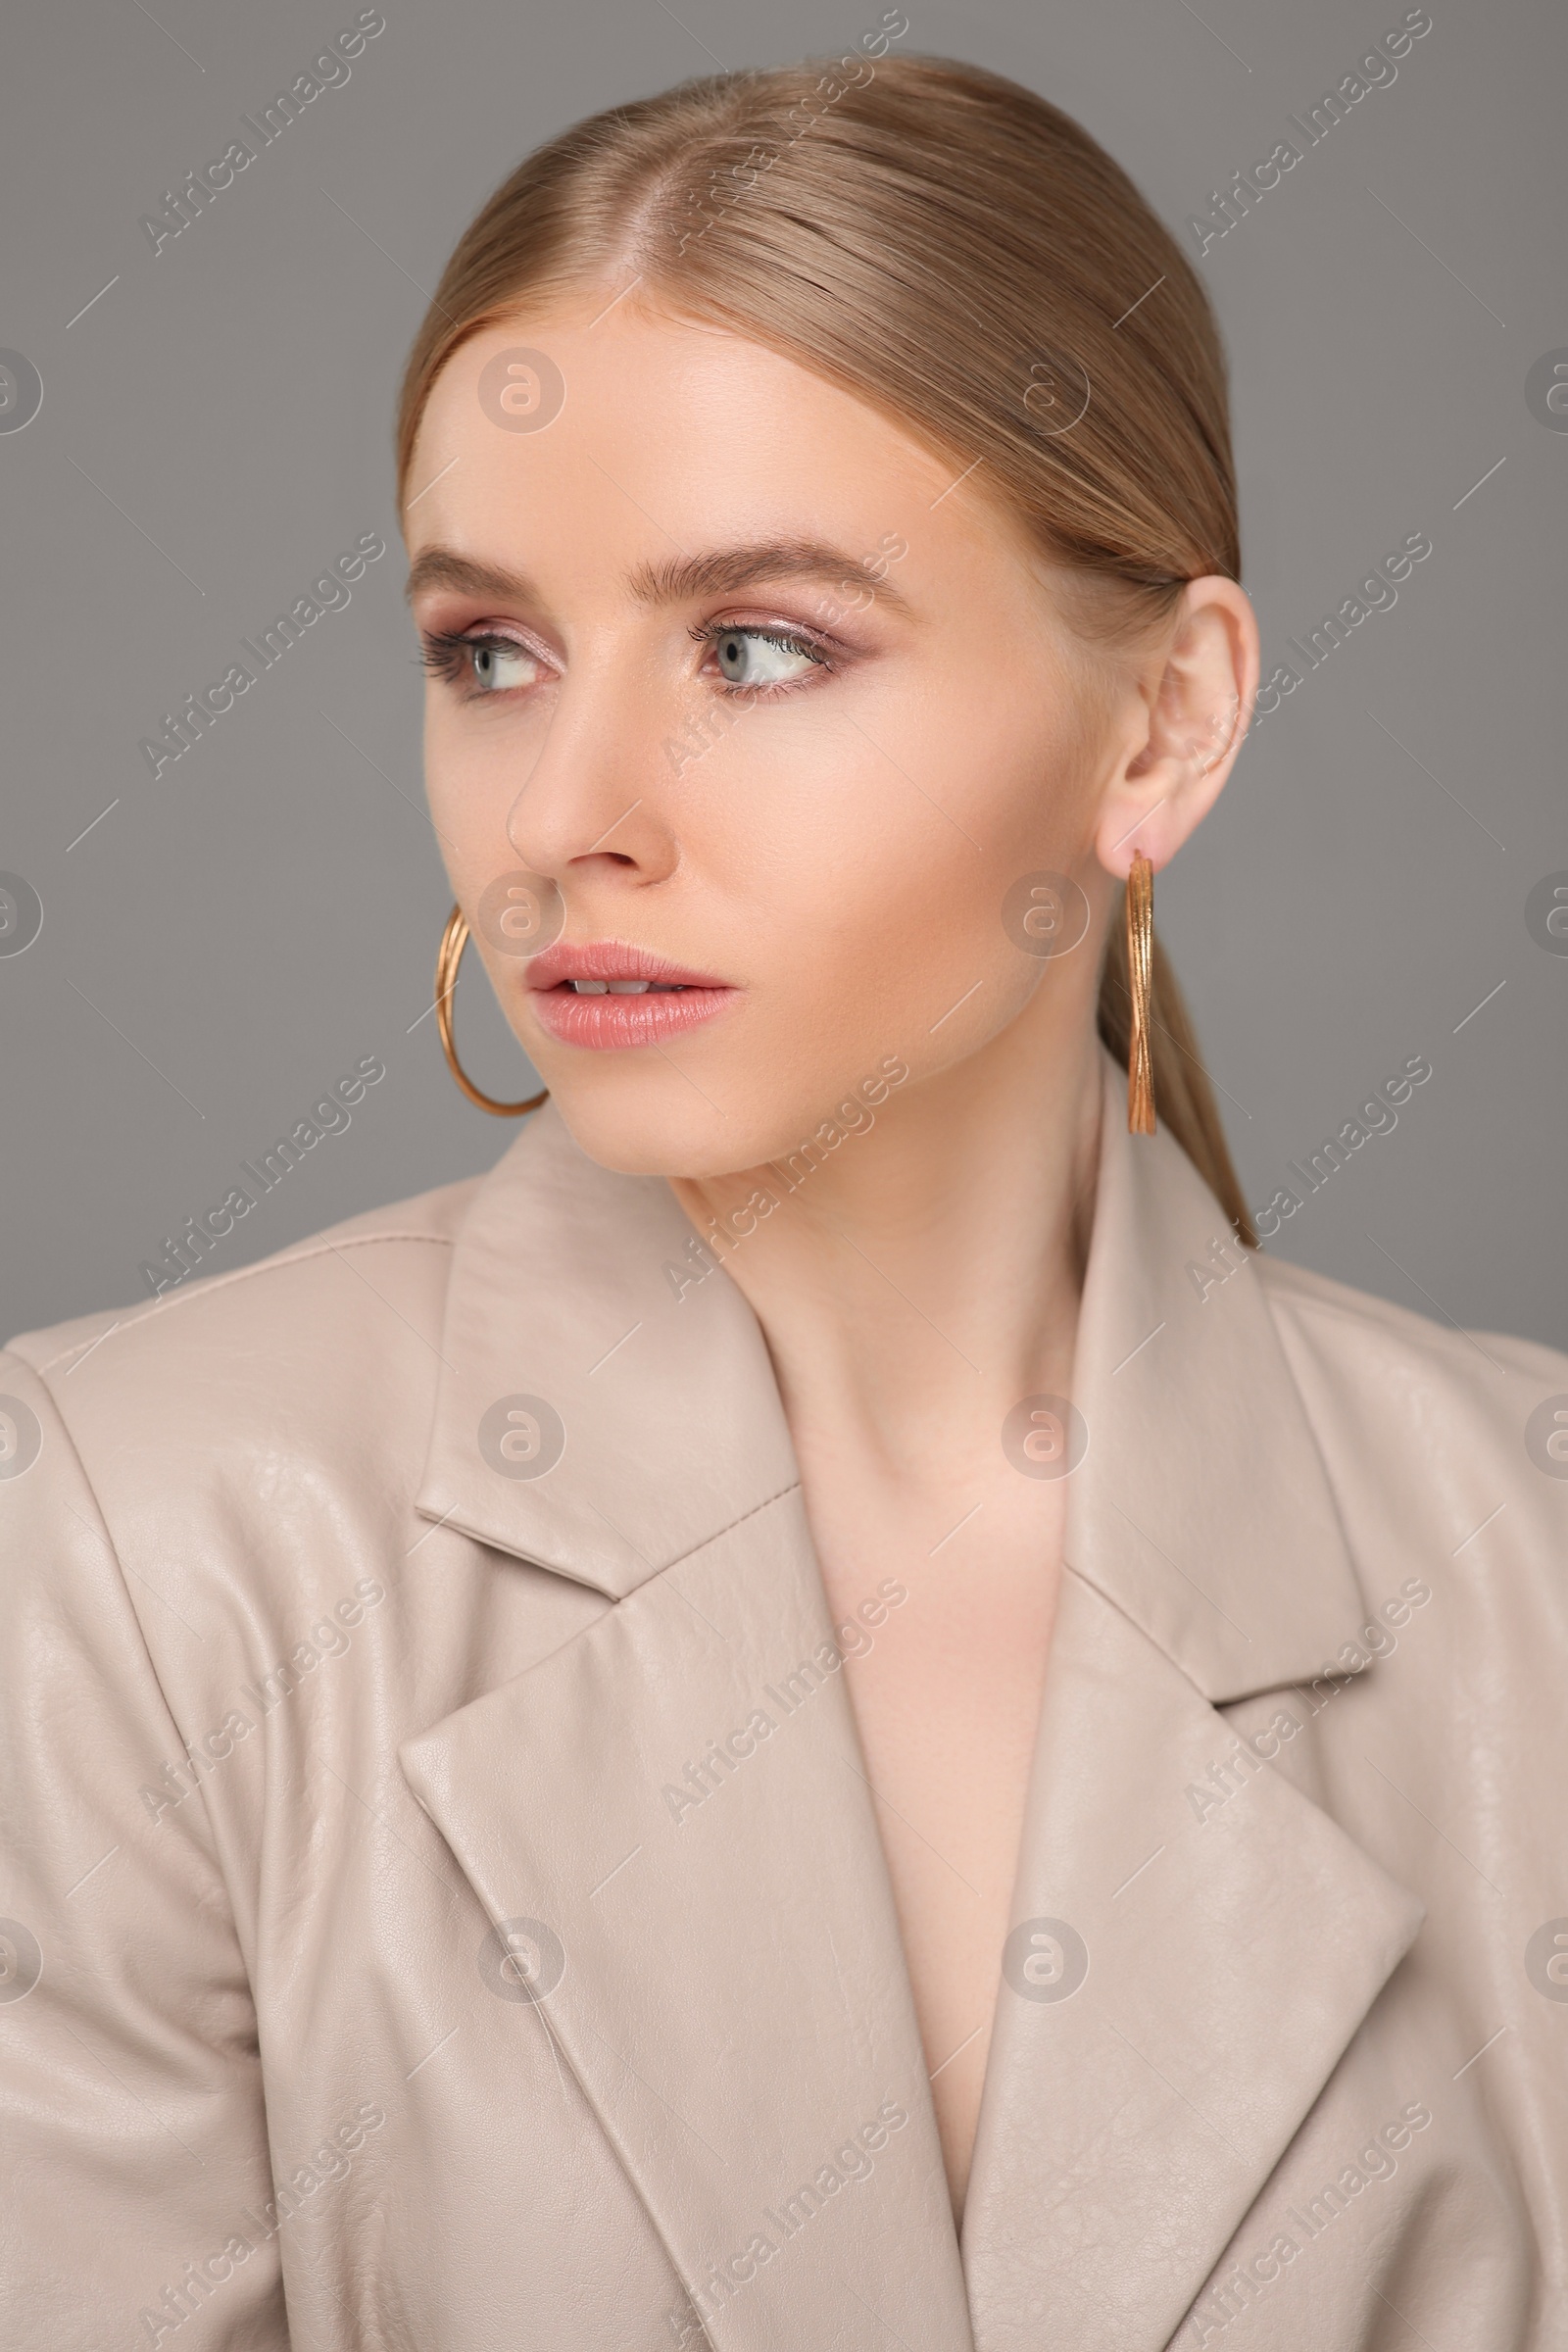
<point>647,1138</point>
<point>656,1122</point>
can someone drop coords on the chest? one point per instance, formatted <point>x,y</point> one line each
<point>946,1628</point>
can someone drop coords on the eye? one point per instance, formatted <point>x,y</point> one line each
<point>762,658</point>
<point>498,664</point>
<point>484,663</point>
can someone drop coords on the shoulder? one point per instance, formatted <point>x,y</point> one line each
<point>1428,1430</point>
<point>295,1335</point>
<point>1369,1337</point>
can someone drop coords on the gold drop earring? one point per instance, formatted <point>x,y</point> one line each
<point>1140,983</point>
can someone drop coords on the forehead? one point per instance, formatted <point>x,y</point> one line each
<point>604,423</point>
<point>536,386</point>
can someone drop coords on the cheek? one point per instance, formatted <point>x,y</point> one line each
<point>474,776</point>
<point>849,891</point>
<point>918,937</point>
<point>858,875</point>
<point>882,907</point>
<point>460,816</point>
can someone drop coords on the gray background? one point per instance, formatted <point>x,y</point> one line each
<point>214,428</point>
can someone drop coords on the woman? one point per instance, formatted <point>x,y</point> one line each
<point>822,1712</point>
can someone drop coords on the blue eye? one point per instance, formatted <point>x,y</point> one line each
<point>761,658</point>
<point>498,664</point>
<point>484,665</point>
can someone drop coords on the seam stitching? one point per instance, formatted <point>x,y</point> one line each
<point>719,1533</point>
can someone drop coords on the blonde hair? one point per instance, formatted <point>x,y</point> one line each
<point>951,249</point>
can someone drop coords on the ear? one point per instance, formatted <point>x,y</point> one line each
<point>1185,716</point>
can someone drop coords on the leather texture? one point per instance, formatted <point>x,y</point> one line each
<point>414,1941</point>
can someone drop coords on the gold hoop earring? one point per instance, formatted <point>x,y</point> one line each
<point>453,939</point>
<point>1141,982</point>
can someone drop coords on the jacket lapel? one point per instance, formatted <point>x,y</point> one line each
<point>665,1820</point>
<point>1194,1984</point>
<point>1194,1942</point>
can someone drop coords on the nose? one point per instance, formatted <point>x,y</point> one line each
<point>591,808</point>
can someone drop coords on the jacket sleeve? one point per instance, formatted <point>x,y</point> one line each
<point>135,2164</point>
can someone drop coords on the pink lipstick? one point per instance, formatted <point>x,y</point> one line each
<point>607,994</point>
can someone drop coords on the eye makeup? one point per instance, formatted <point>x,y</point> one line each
<point>482,663</point>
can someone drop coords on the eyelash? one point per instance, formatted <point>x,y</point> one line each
<point>446,654</point>
<point>793,641</point>
<point>446,651</point>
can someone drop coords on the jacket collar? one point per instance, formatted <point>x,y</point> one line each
<point>1202,1509</point>
<point>582,1290</point>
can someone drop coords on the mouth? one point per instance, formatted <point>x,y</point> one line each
<point>607,995</point>
<point>629,988</point>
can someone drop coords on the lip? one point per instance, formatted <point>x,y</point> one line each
<point>611,959</point>
<point>676,997</point>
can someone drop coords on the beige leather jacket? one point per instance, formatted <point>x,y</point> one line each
<point>443,1911</point>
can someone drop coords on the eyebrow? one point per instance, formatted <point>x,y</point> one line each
<point>721,571</point>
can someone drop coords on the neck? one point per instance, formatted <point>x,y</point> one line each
<point>924,1275</point>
